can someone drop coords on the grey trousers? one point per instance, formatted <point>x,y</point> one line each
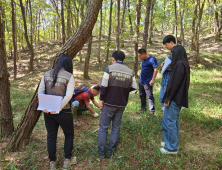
<point>108,114</point>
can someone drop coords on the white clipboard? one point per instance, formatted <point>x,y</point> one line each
<point>49,102</point>
<point>167,62</point>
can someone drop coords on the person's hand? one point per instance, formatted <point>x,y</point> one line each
<point>151,82</point>
<point>53,112</point>
<point>95,114</point>
<point>101,104</point>
<point>167,104</point>
<point>45,111</point>
<point>162,64</point>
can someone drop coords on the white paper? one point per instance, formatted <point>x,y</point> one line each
<point>167,62</point>
<point>49,102</point>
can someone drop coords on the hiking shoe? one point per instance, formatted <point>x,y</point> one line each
<point>109,155</point>
<point>53,165</point>
<point>66,163</point>
<point>95,114</point>
<point>95,153</point>
<point>164,151</point>
<point>141,111</point>
<point>162,144</point>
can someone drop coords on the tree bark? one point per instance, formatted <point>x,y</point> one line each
<point>151,24</point>
<point>63,24</point>
<point>181,21</point>
<point>14,35</point>
<point>71,47</point>
<point>27,38</point>
<point>117,25</point>
<point>100,34</point>
<point>193,37</point>
<point>68,27</point>
<point>217,21</point>
<point>110,26</point>
<point>138,9</point>
<point>6,118</point>
<point>122,23</point>
<point>86,66</point>
<point>175,9</point>
<point>146,25</point>
<point>130,20</point>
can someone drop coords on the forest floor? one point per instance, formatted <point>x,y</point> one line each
<point>200,145</point>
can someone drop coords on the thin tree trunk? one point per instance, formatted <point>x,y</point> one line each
<point>146,25</point>
<point>217,21</point>
<point>110,26</point>
<point>138,9</point>
<point>130,20</point>
<point>68,27</point>
<point>175,9</point>
<point>14,35</point>
<point>86,66</point>
<point>27,38</point>
<point>63,24</point>
<point>181,22</point>
<point>6,118</point>
<point>31,30</point>
<point>193,37</point>
<point>100,32</point>
<point>71,47</point>
<point>122,23</point>
<point>151,23</point>
<point>117,25</point>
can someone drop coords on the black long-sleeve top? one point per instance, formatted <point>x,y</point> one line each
<point>178,85</point>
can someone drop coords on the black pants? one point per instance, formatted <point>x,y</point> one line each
<point>146,90</point>
<point>52,123</point>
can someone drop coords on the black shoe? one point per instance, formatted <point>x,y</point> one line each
<point>141,111</point>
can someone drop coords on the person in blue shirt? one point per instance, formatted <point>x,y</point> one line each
<point>169,41</point>
<point>147,79</point>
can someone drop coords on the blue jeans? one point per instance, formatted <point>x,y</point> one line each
<point>162,92</point>
<point>108,114</point>
<point>171,126</point>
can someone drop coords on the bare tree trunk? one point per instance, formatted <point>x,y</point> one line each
<point>71,47</point>
<point>146,25</point>
<point>6,118</point>
<point>86,66</point>
<point>27,38</point>
<point>14,35</point>
<point>193,37</point>
<point>31,29</point>
<point>117,25</point>
<point>63,24</point>
<point>130,20</point>
<point>110,26</point>
<point>181,21</point>
<point>151,24</point>
<point>122,23</point>
<point>100,32</point>
<point>138,9</point>
<point>217,21</point>
<point>175,7</point>
<point>68,27</point>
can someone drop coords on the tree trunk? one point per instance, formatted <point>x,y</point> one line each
<point>138,9</point>
<point>68,27</point>
<point>27,38</point>
<point>63,24</point>
<point>86,66</point>
<point>14,35</point>
<point>117,25</point>
<point>110,26</point>
<point>71,47</point>
<point>193,37</point>
<point>181,22</point>
<point>130,20</point>
<point>122,23</point>
<point>100,32</point>
<point>217,21</point>
<point>6,118</point>
<point>31,29</point>
<point>175,9</point>
<point>146,25</point>
<point>151,24</point>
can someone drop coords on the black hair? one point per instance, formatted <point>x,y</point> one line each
<point>96,87</point>
<point>118,55</point>
<point>169,38</point>
<point>64,61</point>
<point>142,51</point>
<point>178,54</point>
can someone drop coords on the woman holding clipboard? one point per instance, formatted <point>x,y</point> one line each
<point>59,82</point>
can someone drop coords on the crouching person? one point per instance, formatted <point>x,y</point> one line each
<point>81,101</point>
<point>117,82</point>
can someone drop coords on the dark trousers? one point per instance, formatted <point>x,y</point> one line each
<point>146,90</point>
<point>52,123</point>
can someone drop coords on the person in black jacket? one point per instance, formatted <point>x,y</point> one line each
<point>175,97</point>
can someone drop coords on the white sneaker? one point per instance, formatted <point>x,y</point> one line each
<point>53,165</point>
<point>164,151</point>
<point>66,163</point>
<point>162,144</point>
<point>96,115</point>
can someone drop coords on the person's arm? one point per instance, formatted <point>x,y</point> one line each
<point>89,108</point>
<point>95,103</point>
<point>152,81</point>
<point>104,86</point>
<point>176,78</point>
<point>41,89</point>
<point>69,92</point>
